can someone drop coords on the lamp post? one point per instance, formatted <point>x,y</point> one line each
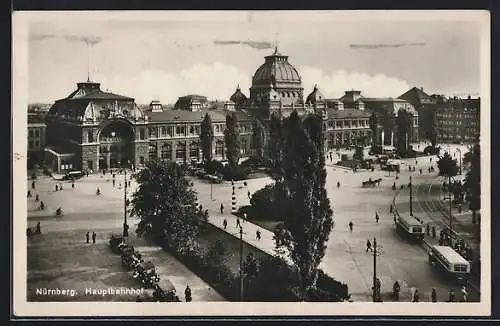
<point>376,284</point>
<point>125,225</point>
<point>411,198</point>
<point>241,263</point>
<point>460,160</point>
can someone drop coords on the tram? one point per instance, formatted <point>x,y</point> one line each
<point>450,262</point>
<point>410,226</point>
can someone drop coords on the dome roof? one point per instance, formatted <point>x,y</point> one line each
<point>238,97</point>
<point>276,68</point>
<point>315,96</point>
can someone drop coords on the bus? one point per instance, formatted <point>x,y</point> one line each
<point>450,262</point>
<point>411,226</point>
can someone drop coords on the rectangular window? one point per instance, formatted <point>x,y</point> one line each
<point>37,133</point>
<point>30,133</point>
<point>90,164</point>
<point>163,131</point>
<point>30,144</point>
<point>142,134</point>
<point>170,131</point>
<point>90,136</point>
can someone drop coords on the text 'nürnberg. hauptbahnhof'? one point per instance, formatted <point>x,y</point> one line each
<point>91,291</point>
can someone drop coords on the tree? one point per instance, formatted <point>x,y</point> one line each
<point>358,153</point>
<point>447,166</point>
<point>307,229</point>
<point>472,182</point>
<point>206,138</point>
<point>403,121</point>
<point>275,146</point>
<point>166,205</point>
<point>258,139</point>
<point>231,136</point>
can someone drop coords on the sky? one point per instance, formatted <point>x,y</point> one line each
<point>163,57</point>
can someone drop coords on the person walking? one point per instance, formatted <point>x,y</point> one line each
<point>73,185</point>
<point>87,236</point>
<point>60,187</point>
<point>187,294</point>
<point>57,187</point>
<point>37,198</point>
<point>248,194</point>
<point>257,234</point>
<point>368,245</point>
<point>38,228</point>
<point>463,290</point>
<point>416,296</point>
<point>221,209</point>
<point>238,224</point>
<point>224,223</point>
<point>351,226</point>
<point>93,237</point>
<point>33,184</point>
<point>433,295</point>
<point>451,296</point>
<point>114,182</point>
<point>377,217</point>
<point>29,194</point>
<point>338,184</point>
<point>98,192</point>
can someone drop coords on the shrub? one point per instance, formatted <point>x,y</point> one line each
<point>213,167</point>
<point>430,150</point>
<point>328,289</point>
<point>268,203</point>
<point>235,173</point>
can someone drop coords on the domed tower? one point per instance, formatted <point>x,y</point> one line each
<point>238,98</point>
<point>278,74</point>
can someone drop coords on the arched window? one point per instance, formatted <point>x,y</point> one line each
<point>219,148</point>
<point>166,151</point>
<point>194,151</point>
<point>153,152</point>
<point>243,145</point>
<point>180,151</point>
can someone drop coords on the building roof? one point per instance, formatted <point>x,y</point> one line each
<point>417,97</point>
<point>174,116</point>
<point>315,96</point>
<point>238,97</point>
<point>92,91</point>
<point>276,68</point>
<point>347,113</point>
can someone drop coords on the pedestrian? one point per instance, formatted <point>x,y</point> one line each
<point>221,209</point>
<point>37,198</point>
<point>93,237</point>
<point>433,295</point>
<point>187,294</point>
<point>416,296</point>
<point>57,187</point>
<point>248,194</point>
<point>98,192</point>
<point>464,293</point>
<point>60,187</point>
<point>391,208</point>
<point>368,245</point>
<point>338,184</point>
<point>377,217</point>
<point>29,194</point>
<point>244,217</point>
<point>38,228</point>
<point>33,184</point>
<point>427,229</point>
<point>114,182</point>
<point>201,207</point>
<point>238,224</point>
<point>42,205</point>
<point>224,223</point>
<point>87,173</point>
<point>87,236</point>
<point>257,234</point>
<point>73,185</point>
<point>351,225</point>
<point>420,171</point>
<point>451,296</point>
<point>120,185</point>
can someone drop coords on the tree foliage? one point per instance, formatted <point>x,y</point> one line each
<point>472,183</point>
<point>302,168</point>
<point>166,205</point>
<point>258,139</point>
<point>231,137</point>
<point>275,145</point>
<point>447,166</point>
<point>403,122</point>
<point>206,138</point>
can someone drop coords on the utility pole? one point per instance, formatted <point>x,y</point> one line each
<point>375,290</point>
<point>125,226</point>
<point>411,198</point>
<point>241,263</point>
<point>211,189</point>
<point>460,160</point>
<point>449,195</point>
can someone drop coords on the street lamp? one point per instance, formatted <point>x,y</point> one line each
<point>460,153</point>
<point>241,263</point>
<point>376,283</point>
<point>125,225</point>
<point>411,199</point>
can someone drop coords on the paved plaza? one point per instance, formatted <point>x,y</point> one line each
<point>346,258</point>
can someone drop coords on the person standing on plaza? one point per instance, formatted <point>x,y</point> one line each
<point>377,217</point>
<point>451,296</point>
<point>29,194</point>
<point>338,184</point>
<point>98,192</point>
<point>87,237</point>
<point>221,209</point>
<point>351,225</point>
<point>238,224</point>
<point>38,228</point>
<point>37,198</point>
<point>224,223</point>
<point>368,245</point>
<point>114,182</point>
<point>73,185</point>
<point>416,296</point>
<point>464,293</point>
<point>57,187</point>
<point>248,194</point>
<point>257,234</point>
<point>33,184</point>
<point>93,237</point>
<point>60,187</point>
<point>187,294</point>
<point>433,295</point>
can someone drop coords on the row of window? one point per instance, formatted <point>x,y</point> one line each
<point>34,133</point>
<point>34,144</point>
<point>347,124</point>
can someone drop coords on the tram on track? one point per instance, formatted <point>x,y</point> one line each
<point>411,227</point>
<point>450,262</point>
